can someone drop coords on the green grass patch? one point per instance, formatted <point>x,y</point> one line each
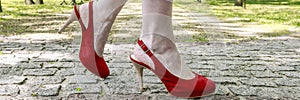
<point>200,38</point>
<point>277,33</point>
<point>18,9</point>
<point>18,18</point>
<point>283,12</point>
<point>78,89</point>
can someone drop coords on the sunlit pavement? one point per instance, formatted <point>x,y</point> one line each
<point>46,66</point>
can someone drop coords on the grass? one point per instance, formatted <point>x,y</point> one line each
<point>278,16</point>
<point>277,33</point>
<point>18,18</point>
<point>283,12</point>
<point>18,9</point>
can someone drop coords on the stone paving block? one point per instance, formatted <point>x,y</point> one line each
<point>10,59</point>
<point>78,97</point>
<point>83,97</point>
<point>255,68</point>
<point>222,90</point>
<point>291,74</point>
<point>256,63</point>
<point>125,97</point>
<point>11,79</point>
<point>265,82</point>
<point>69,59</point>
<point>82,89</point>
<point>6,98</point>
<point>31,65</point>
<point>243,91</point>
<point>235,63</point>
<point>151,80</point>
<point>155,88</point>
<point>293,64</point>
<point>205,73</point>
<point>236,73</point>
<point>116,59</point>
<point>39,98</point>
<point>270,93</point>
<point>278,93</point>
<point>200,66</point>
<point>115,71</point>
<point>7,52</point>
<point>266,58</point>
<point>290,92</point>
<point>15,49</point>
<point>37,48</point>
<point>39,72</point>
<point>5,65</point>
<point>78,65</point>
<point>71,71</point>
<point>9,90</point>
<point>45,90</point>
<point>81,79</point>
<point>51,55</point>
<point>281,68</point>
<point>120,65</point>
<point>44,60</point>
<point>28,54</point>
<point>215,73</point>
<point>24,56</point>
<point>11,71</point>
<point>265,74</point>
<point>224,80</point>
<point>224,67</point>
<point>58,64</point>
<point>288,82</point>
<point>46,80</point>
<point>119,85</point>
<point>146,72</point>
<point>164,97</point>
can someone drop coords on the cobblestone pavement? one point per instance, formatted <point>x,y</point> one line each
<point>35,68</point>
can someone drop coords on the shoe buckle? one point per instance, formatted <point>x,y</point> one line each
<point>145,48</point>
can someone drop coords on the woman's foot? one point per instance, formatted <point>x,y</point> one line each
<point>161,57</point>
<point>156,50</point>
<point>96,19</point>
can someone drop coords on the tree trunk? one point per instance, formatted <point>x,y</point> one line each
<point>238,3</point>
<point>39,2</point>
<point>29,2</point>
<point>244,2</point>
<point>0,7</point>
<point>241,3</point>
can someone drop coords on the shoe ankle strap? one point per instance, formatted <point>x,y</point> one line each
<point>145,48</point>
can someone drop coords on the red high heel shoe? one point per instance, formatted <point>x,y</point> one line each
<point>87,54</point>
<point>186,88</point>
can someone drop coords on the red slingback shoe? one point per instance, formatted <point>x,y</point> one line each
<point>185,88</point>
<point>87,54</point>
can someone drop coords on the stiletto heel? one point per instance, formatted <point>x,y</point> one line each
<point>139,70</point>
<point>71,19</point>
